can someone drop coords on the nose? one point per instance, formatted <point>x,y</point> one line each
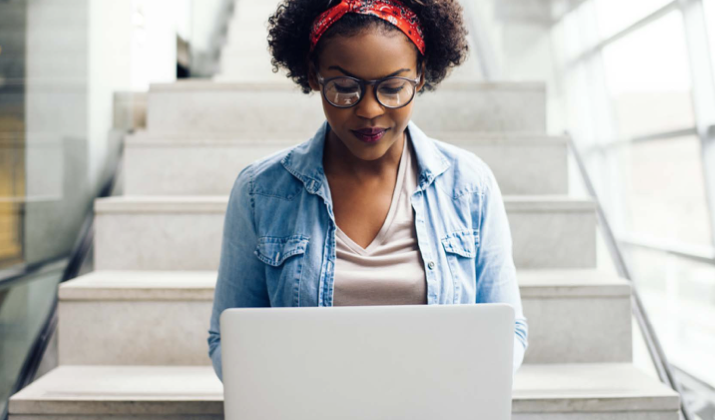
<point>369,108</point>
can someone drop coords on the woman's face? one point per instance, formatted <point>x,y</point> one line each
<point>369,55</point>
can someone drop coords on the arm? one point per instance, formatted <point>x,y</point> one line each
<point>241,281</point>
<point>496,274</point>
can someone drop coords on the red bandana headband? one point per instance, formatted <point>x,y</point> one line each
<point>392,11</point>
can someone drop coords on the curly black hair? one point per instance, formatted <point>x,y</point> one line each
<point>289,36</point>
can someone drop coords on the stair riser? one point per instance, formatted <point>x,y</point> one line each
<point>192,241</point>
<point>561,330</point>
<point>134,333</point>
<point>246,39</point>
<point>212,169</point>
<point>250,66</point>
<point>579,329</point>
<point>188,170</point>
<point>196,110</point>
<point>249,44</point>
<point>554,239</point>
<point>158,241</point>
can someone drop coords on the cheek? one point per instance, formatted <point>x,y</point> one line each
<point>402,115</point>
<point>335,116</point>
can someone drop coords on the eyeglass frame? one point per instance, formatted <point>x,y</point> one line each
<point>363,87</point>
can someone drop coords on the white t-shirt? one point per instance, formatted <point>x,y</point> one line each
<point>390,271</point>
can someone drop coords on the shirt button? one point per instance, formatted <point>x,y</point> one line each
<point>430,265</point>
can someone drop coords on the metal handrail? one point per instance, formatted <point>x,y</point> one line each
<point>657,354</point>
<point>19,273</point>
<point>701,254</point>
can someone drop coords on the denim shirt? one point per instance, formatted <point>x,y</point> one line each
<point>279,234</point>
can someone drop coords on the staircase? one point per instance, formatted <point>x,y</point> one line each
<point>133,334</point>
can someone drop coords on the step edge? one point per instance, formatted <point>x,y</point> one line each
<point>211,86</point>
<point>159,293</point>
<point>215,204</point>
<point>157,140</point>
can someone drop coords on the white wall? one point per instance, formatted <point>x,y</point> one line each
<point>109,61</point>
<point>155,25</point>
<point>205,15</point>
<point>79,53</point>
<point>513,37</point>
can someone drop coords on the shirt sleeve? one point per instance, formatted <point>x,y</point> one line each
<point>241,276</point>
<point>496,273</point>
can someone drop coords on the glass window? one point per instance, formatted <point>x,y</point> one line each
<point>679,297</point>
<point>23,311</point>
<point>709,11</point>
<point>576,32</point>
<point>648,79</point>
<point>615,15</point>
<point>663,191</point>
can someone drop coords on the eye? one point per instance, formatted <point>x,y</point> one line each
<point>343,86</point>
<point>392,87</point>
<point>391,90</point>
<point>349,88</point>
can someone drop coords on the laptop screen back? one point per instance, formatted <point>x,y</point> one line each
<point>368,362</point>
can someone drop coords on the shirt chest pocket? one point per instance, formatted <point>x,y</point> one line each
<point>283,257</point>
<point>461,252</point>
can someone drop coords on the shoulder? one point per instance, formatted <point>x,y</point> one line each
<point>467,172</point>
<point>268,177</point>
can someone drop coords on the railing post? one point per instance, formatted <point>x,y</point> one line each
<point>703,93</point>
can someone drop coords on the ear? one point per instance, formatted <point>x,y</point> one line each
<point>312,77</point>
<point>423,78</point>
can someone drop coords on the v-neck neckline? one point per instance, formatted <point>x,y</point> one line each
<point>380,237</point>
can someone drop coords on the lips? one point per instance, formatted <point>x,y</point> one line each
<point>371,131</point>
<point>370,135</point>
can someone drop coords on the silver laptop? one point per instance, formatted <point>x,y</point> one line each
<point>409,362</point>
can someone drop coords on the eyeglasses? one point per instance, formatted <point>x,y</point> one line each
<point>345,92</point>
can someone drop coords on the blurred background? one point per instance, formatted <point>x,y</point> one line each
<point>632,82</point>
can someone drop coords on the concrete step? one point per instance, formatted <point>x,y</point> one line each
<point>247,38</point>
<point>136,318</point>
<point>161,317</point>
<point>184,233</point>
<point>563,392</point>
<point>208,165</point>
<point>576,316</point>
<point>250,66</point>
<point>245,58</point>
<point>210,107</point>
<point>552,231</point>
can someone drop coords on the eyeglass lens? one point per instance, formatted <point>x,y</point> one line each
<point>392,93</point>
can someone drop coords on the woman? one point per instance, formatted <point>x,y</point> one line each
<point>370,211</point>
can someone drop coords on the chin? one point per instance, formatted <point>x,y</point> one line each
<point>366,152</point>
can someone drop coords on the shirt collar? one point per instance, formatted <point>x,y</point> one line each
<point>305,161</point>
<point>431,162</point>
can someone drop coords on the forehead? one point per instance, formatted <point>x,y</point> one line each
<point>369,54</point>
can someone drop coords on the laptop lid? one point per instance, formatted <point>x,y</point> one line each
<point>368,362</point>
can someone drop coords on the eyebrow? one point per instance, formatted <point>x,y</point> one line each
<point>338,68</point>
